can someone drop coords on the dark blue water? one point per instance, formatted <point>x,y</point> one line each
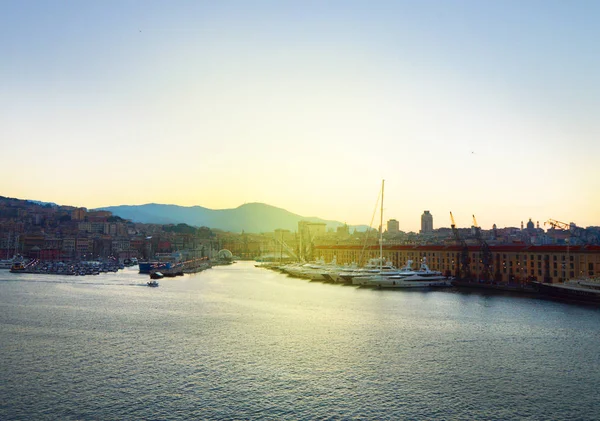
<point>239,342</point>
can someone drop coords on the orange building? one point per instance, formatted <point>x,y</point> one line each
<point>510,263</point>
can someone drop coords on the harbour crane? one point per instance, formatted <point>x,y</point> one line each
<point>463,271</point>
<point>585,235</point>
<point>557,224</point>
<point>486,254</point>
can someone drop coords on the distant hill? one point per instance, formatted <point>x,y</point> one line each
<point>250,217</point>
<point>37,202</point>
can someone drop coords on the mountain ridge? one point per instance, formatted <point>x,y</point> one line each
<point>254,217</point>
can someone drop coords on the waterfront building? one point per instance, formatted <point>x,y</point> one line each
<point>68,247</point>
<point>119,245</point>
<point>517,263</point>
<point>83,246</point>
<point>426,223</point>
<point>137,244</point>
<point>32,241</point>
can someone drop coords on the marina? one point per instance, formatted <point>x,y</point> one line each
<point>388,277</point>
<point>70,268</point>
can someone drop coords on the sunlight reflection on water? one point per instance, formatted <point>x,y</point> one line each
<point>239,342</point>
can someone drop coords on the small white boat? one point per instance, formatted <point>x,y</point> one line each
<point>152,283</point>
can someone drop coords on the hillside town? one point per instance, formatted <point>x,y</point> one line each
<point>52,232</point>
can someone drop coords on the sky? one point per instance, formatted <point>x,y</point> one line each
<point>485,108</point>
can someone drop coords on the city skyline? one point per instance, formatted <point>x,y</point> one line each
<point>160,215</point>
<point>475,108</point>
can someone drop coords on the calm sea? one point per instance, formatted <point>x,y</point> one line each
<point>239,342</point>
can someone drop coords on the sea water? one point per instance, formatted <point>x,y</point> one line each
<point>241,342</point>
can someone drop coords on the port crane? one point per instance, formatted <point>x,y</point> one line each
<point>463,270</point>
<point>557,224</point>
<point>585,235</point>
<point>486,254</point>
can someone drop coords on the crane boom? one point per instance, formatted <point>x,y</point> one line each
<point>584,235</point>
<point>557,224</point>
<point>463,270</point>
<point>454,230</point>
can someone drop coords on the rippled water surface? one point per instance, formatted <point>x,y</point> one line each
<point>239,342</point>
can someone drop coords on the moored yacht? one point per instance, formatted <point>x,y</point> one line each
<point>422,278</point>
<point>315,271</point>
<point>375,266</point>
<point>386,272</point>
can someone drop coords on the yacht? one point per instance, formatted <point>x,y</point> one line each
<point>386,271</point>
<point>422,278</point>
<point>332,274</point>
<point>374,267</point>
<point>314,271</point>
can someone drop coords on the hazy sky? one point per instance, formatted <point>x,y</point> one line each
<point>477,107</point>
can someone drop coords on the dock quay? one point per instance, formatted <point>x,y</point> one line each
<point>187,266</point>
<point>499,286</point>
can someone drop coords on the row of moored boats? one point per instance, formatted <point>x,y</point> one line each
<point>376,273</point>
<point>61,268</point>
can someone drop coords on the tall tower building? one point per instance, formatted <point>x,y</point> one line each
<point>426,223</point>
<point>393,226</point>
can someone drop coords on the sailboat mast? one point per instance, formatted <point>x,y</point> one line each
<point>381,229</point>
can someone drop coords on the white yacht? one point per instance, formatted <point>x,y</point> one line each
<point>333,274</point>
<point>422,278</point>
<point>314,271</point>
<point>387,271</point>
<point>373,267</point>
